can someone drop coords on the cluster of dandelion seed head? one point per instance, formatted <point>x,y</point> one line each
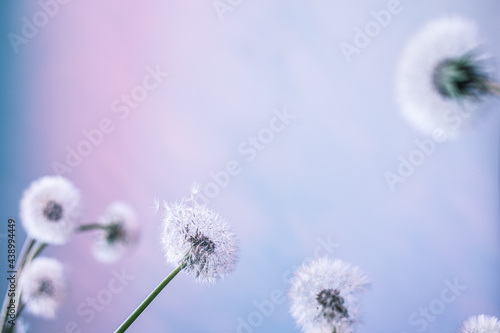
<point>423,99</point>
<point>325,295</point>
<point>199,237</point>
<point>43,287</point>
<point>480,324</point>
<point>120,232</point>
<point>51,209</point>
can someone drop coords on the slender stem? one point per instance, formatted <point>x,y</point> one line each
<point>35,251</point>
<point>91,226</point>
<point>21,307</point>
<point>493,87</point>
<point>30,250</point>
<point>28,244</point>
<point>137,312</point>
<point>11,328</point>
<point>21,262</point>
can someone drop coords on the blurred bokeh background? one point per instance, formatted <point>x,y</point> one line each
<point>319,180</point>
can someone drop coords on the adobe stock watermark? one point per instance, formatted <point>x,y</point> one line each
<point>248,149</point>
<point>371,29</point>
<point>420,319</point>
<point>222,7</point>
<point>266,307</point>
<point>88,310</point>
<point>424,149</point>
<point>121,108</point>
<point>48,9</point>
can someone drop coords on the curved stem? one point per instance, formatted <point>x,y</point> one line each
<point>30,250</point>
<point>28,244</point>
<point>11,328</point>
<point>21,262</point>
<point>91,226</point>
<point>35,251</point>
<point>137,312</point>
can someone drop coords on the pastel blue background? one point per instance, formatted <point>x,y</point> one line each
<point>320,178</point>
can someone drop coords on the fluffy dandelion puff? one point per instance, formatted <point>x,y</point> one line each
<point>119,231</point>
<point>325,296</point>
<point>480,324</point>
<point>43,287</point>
<point>197,236</point>
<point>441,77</point>
<point>51,209</point>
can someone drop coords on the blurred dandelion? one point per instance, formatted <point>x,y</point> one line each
<point>442,76</point>
<point>480,324</point>
<point>117,233</point>
<point>51,209</point>
<point>325,295</point>
<point>43,287</point>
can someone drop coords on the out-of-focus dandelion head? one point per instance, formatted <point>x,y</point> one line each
<point>325,295</point>
<point>43,287</point>
<point>51,209</point>
<point>118,233</point>
<point>442,76</point>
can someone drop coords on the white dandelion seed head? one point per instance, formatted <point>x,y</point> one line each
<point>195,234</point>
<point>51,209</point>
<point>420,97</point>
<point>480,324</point>
<point>122,232</point>
<point>43,287</point>
<point>325,294</point>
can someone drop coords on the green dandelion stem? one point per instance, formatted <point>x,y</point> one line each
<point>37,250</point>
<point>11,328</point>
<point>137,312</point>
<point>28,244</point>
<point>31,254</point>
<point>21,262</point>
<point>91,226</point>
